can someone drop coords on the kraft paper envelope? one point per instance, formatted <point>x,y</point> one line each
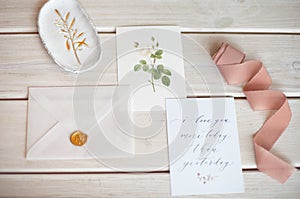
<point>100,112</point>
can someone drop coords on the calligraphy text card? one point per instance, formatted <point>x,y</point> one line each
<point>204,151</point>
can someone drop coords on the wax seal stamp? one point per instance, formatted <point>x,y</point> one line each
<point>78,138</point>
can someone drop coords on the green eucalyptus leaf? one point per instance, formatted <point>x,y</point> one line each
<point>152,56</point>
<point>137,67</point>
<point>166,80</point>
<point>157,44</point>
<point>157,75</point>
<point>160,68</point>
<point>159,52</point>
<point>152,38</point>
<point>142,61</point>
<point>158,56</point>
<point>145,67</point>
<point>152,71</point>
<point>167,72</point>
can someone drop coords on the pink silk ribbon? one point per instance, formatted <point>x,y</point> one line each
<point>230,62</point>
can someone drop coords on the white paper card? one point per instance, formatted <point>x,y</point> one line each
<point>204,151</point>
<point>150,60</point>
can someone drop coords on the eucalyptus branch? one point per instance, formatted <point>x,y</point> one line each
<point>157,71</point>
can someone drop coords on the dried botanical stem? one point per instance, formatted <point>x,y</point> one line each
<point>71,35</point>
<point>75,51</point>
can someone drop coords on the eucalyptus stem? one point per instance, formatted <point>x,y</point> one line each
<point>152,75</point>
<point>152,82</point>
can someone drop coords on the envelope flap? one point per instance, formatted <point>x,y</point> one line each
<point>54,101</point>
<point>55,145</point>
<point>39,121</point>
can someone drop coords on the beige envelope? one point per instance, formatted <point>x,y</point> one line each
<point>102,113</point>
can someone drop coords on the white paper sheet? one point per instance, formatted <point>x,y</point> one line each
<point>146,50</point>
<point>204,149</point>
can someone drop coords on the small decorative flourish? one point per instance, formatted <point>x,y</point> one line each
<point>74,38</point>
<point>157,71</point>
<point>205,178</point>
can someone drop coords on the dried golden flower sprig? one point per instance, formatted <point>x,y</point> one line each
<point>74,39</point>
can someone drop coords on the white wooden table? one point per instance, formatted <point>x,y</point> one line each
<point>267,30</point>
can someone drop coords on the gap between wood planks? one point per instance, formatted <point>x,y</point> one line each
<point>202,96</point>
<point>182,32</point>
<point>101,172</point>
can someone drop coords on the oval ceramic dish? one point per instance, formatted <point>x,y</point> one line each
<point>69,36</point>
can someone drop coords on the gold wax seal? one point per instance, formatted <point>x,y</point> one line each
<point>78,138</point>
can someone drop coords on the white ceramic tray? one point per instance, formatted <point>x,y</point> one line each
<point>69,35</point>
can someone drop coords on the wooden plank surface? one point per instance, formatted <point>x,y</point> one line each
<point>24,62</point>
<point>192,15</point>
<point>257,185</point>
<point>13,129</point>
